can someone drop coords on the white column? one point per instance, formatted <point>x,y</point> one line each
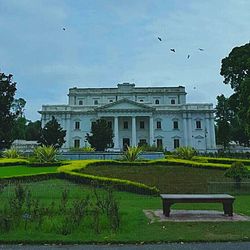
<point>212,133</point>
<point>190,140</point>
<point>151,130</point>
<point>116,133</point>
<point>185,133</point>
<point>133,131</point>
<point>68,130</point>
<point>207,133</point>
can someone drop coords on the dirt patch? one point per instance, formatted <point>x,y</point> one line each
<point>193,215</point>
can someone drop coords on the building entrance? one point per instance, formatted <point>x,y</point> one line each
<point>125,143</point>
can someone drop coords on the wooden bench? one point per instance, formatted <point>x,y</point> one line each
<point>170,199</point>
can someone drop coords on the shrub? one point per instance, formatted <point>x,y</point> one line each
<point>186,153</point>
<point>45,153</point>
<point>84,149</point>
<point>237,171</point>
<point>132,153</point>
<point>11,153</point>
<point>153,148</point>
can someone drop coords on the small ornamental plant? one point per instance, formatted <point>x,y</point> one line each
<point>237,172</point>
<point>186,153</point>
<point>132,153</point>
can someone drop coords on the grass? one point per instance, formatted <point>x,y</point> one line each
<point>135,227</point>
<point>170,179</point>
<point>23,170</point>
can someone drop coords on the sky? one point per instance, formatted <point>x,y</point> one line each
<point>106,42</point>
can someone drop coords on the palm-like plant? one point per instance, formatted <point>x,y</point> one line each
<point>11,153</point>
<point>186,153</point>
<point>132,153</point>
<point>45,153</point>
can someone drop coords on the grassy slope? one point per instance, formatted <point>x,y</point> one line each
<point>134,224</point>
<point>171,179</point>
<point>23,170</point>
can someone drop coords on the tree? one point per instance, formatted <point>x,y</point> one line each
<point>237,171</point>
<point>52,134</point>
<point>19,128</point>
<point>18,106</point>
<point>222,117</point>
<point>236,71</point>
<point>33,131</point>
<point>101,135</point>
<point>7,116</point>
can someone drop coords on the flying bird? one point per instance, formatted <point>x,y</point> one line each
<point>173,50</point>
<point>64,29</point>
<point>159,39</point>
<point>201,49</point>
<point>188,56</point>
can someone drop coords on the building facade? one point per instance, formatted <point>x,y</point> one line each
<point>154,115</point>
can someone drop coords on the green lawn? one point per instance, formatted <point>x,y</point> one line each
<point>170,179</point>
<point>24,170</point>
<point>135,227</point>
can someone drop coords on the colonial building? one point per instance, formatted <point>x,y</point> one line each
<point>153,115</point>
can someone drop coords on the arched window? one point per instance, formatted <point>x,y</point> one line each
<point>157,101</point>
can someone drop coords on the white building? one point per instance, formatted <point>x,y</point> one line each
<point>152,115</point>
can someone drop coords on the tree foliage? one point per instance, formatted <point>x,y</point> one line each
<point>101,135</point>
<point>52,134</point>
<point>223,115</point>
<point>235,69</point>
<point>7,116</point>
<point>33,131</point>
<point>237,171</point>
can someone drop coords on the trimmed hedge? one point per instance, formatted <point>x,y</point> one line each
<point>222,160</point>
<point>29,178</point>
<point>121,185</point>
<point>4,162</point>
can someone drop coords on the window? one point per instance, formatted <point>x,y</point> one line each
<point>76,143</point>
<point>176,143</point>
<point>96,102</point>
<point>109,124</point>
<point>110,100</point>
<point>158,124</point>
<point>172,101</point>
<point>142,125</point>
<point>159,143</point>
<point>157,101</point>
<point>80,102</point>
<point>198,124</point>
<point>142,142</point>
<point>77,125</point>
<point>141,100</point>
<point>175,125</point>
<point>125,124</point>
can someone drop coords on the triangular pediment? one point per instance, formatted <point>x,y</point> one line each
<point>125,104</point>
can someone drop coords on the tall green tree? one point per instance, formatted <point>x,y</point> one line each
<point>33,131</point>
<point>19,129</point>
<point>7,116</point>
<point>222,117</point>
<point>52,134</point>
<point>101,135</point>
<point>235,69</point>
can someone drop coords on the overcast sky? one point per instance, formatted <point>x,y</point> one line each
<point>106,42</point>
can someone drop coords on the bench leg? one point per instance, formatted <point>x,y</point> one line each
<point>166,208</point>
<point>228,208</point>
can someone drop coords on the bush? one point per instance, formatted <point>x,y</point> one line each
<point>153,148</point>
<point>11,153</point>
<point>84,149</point>
<point>132,153</point>
<point>45,153</point>
<point>237,171</point>
<point>186,153</point>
